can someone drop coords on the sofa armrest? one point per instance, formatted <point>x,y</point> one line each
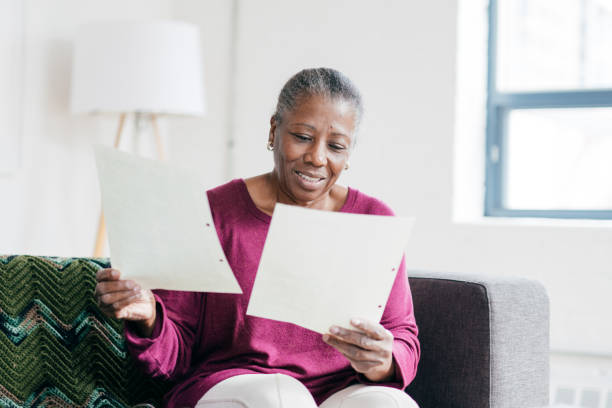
<point>484,341</point>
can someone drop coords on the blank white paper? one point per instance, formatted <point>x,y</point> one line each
<point>160,229</point>
<point>322,268</point>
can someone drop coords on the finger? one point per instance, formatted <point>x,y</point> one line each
<point>361,360</point>
<point>353,353</point>
<point>108,274</point>
<point>373,330</point>
<point>114,297</point>
<point>105,287</point>
<point>120,309</point>
<point>120,304</point>
<point>359,339</point>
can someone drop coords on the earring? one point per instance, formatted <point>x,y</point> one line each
<point>347,165</point>
<point>270,145</point>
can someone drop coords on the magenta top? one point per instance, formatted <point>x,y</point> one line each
<point>201,339</point>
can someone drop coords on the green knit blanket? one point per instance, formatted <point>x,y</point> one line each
<point>57,349</point>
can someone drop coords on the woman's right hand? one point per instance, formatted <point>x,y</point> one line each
<point>125,299</point>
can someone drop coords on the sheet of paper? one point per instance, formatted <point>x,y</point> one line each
<point>320,268</point>
<point>160,230</point>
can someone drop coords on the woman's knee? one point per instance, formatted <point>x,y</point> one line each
<point>258,391</point>
<point>377,399</point>
<point>370,396</point>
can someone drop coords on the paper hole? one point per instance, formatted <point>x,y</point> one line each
<point>220,260</point>
<point>208,224</point>
<point>379,306</point>
<point>393,270</point>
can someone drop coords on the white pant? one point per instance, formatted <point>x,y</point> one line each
<point>283,391</point>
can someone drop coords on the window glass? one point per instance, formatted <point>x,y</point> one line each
<point>558,159</point>
<point>554,45</point>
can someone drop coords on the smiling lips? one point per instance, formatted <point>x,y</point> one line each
<point>309,178</point>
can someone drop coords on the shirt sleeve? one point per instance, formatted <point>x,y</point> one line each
<point>398,318</point>
<point>167,353</point>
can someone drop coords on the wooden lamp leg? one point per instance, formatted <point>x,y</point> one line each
<point>101,236</point>
<point>158,141</point>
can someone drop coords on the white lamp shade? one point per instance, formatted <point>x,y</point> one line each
<point>137,67</point>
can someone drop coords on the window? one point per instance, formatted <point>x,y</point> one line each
<point>549,109</point>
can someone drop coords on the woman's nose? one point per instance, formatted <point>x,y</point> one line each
<point>316,155</point>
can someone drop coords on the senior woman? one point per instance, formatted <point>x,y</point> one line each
<point>219,357</point>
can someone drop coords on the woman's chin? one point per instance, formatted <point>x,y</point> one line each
<point>306,194</point>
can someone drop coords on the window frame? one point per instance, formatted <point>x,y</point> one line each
<point>499,105</point>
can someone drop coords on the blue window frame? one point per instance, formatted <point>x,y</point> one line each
<point>500,104</point>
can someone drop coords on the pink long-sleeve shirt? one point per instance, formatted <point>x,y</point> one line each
<point>201,339</point>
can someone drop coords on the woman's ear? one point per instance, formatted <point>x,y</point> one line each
<point>273,124</point>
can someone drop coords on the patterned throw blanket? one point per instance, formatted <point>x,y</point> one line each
<point>57,349</point>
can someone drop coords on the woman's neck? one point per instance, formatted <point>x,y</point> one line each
<point>265,191</point>
<point>324,202</point>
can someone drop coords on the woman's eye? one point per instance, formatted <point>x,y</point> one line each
<point>301,137</point>
<point>336,147</point>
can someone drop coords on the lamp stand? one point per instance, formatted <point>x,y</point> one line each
<point>101,235</point>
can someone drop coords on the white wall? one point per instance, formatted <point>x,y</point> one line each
<point>11,81</point>
<point>50,205</point>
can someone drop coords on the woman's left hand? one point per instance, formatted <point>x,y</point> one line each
<point>368,348</point>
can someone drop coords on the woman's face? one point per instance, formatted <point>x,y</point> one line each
<point>312,144</point>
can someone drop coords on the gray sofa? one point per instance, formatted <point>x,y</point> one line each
<point>484,341</point>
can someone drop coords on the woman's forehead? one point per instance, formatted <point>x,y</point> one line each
<point>318,105</point>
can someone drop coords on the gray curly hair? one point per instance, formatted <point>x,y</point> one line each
<point>326,82</point>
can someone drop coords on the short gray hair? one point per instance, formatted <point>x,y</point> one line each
<point>326,82</point>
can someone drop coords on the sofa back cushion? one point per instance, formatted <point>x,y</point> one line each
<point>454,331</point>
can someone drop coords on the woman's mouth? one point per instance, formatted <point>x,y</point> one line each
<point>309,179</point>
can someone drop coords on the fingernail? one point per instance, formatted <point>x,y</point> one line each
<point>325,337</point>
<point>334,330</point>
<point>356,322</point>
